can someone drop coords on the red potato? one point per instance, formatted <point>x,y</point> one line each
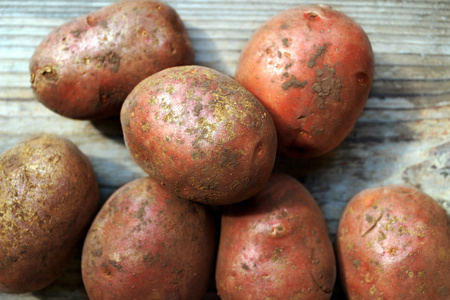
<point>146,243</point>
<point>275,246</point>
<point>48,197</point>
<point>84,69</point>
<point>201,134</point>
<point>394,243</point>
<point>312,67</point>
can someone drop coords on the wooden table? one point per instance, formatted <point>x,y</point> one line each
<point>403,135</point>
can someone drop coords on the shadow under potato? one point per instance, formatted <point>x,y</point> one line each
<point>110,128</point>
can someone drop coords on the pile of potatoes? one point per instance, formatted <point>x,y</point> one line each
<point>214,212</point>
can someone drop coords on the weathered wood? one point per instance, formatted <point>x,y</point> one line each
<point>403,135</point>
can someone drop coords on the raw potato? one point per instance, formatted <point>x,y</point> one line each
<point>394,243</point>
<point>312,67</point>
<point>85,68</point>
<point>48,197</point>
<point>201,134</point>
<point>146,243</point>
<point>275,246</point>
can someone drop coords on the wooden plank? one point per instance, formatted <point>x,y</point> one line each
<point>403,135</point>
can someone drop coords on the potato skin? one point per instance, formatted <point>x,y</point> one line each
<point>201,134</point>
<point>146,243</point>
<point>85,68</point>
<point>312,67</point>
<point>394,243</point>
<point>275,246</point>
<point>48,197</point>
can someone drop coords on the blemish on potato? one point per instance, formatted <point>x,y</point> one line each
<point>362,78</point>
<point>170,90</point>
<point>97,252</point>
<point>76,33</point>
<point>381,236</point>
<point>373,290</point>
<point>421,289</point>
<point>310,14</point>
<point>410,273</point>
<point>90,21</point>
<point>319,52</point>
<point>284,26</point>
<point>50,73</point>
<point>356,263</point>
<point>189,94</point>
<point>205,85</point>
<point>114,60</point>
<point>142,32</point>
<point>197,155</point>
<point>151,100</point>
<point>277,231</point>
<point>277,254</point>
<point>140,214</point>
<point>402,230</point>
<point>327,84</point>
<point>293,82</point>
<point>198,107</point>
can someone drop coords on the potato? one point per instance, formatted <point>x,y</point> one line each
<point>147,243</point>
<point>312,67</point>
<point>48,197</point>
<point>394,243</point>
<point>275,246</point>
<point>201,134</point>
<point>84,69</point>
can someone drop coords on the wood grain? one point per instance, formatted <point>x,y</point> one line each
<point>403,135</point>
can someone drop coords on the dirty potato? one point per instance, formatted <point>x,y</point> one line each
<point>201,134</point>
<point>48,197</point>
<point>394,243</point>
<point>146,243</point>
<point>84,69</point>
<point>312,67</point>
<point>275,246</point>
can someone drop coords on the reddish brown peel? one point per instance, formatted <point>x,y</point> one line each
<point>394,243</point>
<point>201,134</point>
<point>313,62</point>
<point>48,197</point>
<point>147,243</point>
<point>84,69</point>
<point>275,246</point>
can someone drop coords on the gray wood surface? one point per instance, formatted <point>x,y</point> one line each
<point>403,135</point>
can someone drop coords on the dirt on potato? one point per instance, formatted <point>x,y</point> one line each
<point>147,243</point>
<point>48,197</point>
<point>312,67</point>
<point>85,68</point>
<point>201,134</point>
<point>394,243</point>
<point>275,245</point>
